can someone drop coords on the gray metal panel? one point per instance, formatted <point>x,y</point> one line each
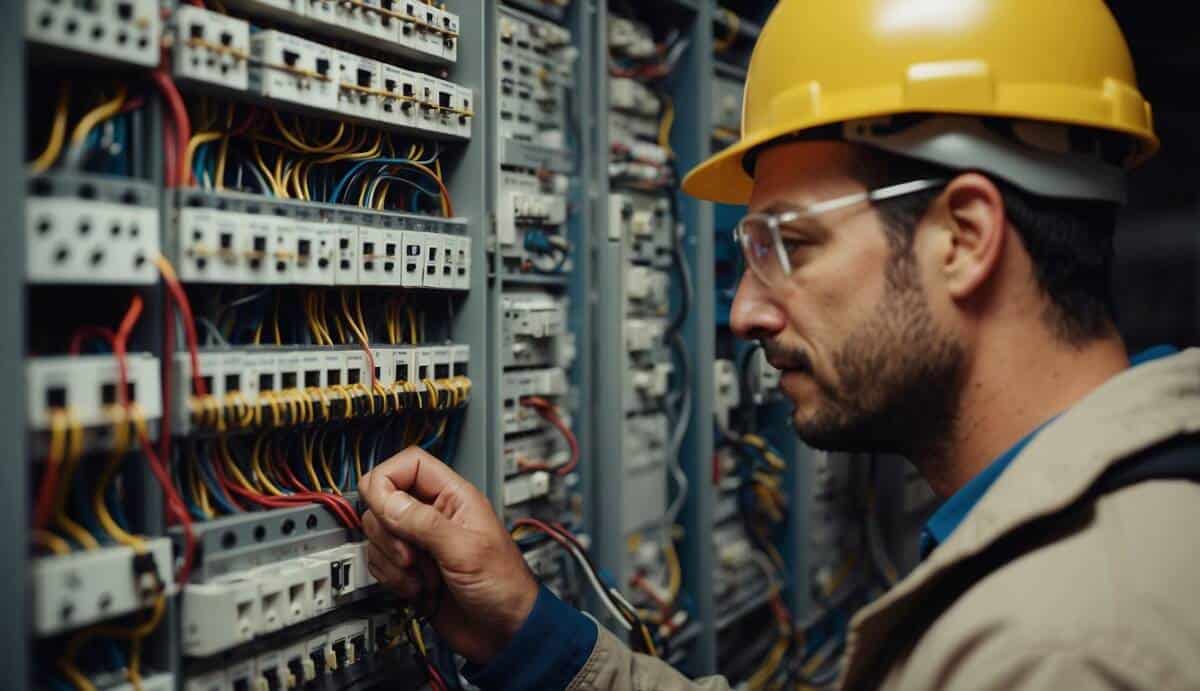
<point>691,142</point>
<point>608,351</point>
<point>493,290</point>
<point>580,293</point>
<point>469,186</point>
<point>14,490</point>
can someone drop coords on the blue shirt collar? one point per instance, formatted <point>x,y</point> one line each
<point>954,511</point>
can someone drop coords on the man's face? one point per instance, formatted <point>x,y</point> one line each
<point>864,360</point>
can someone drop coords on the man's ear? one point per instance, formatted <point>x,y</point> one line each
<point>976,233</point>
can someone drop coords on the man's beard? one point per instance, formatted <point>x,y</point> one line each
<point>899,378</point>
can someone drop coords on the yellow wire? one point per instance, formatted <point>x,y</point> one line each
<point>301,145</point>
<point>664,127</point>
<point>727,41</point>
<point>266,170</point>
<point>120,442</point>
<point>221,156</point>
<point>73,675</point>
<point>325,465</point>
<point>359,333</point>
<point>373,152</point>
<point>195,142</point>
<point>275,321</point>
<point>357,455</point>
<point>412,324</point>
<point>232,466</point>
<point>256,464</point>
<point>675,578</point>
<point>307,451</point>
<point>50,541</point>
<point>58,132</point>
<point>135,634</point>
<point>362,323</point>
<point>97,115</point>
<point>74,454</point>
<point>199,491</point>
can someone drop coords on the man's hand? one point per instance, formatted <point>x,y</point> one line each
<point>421,509</point>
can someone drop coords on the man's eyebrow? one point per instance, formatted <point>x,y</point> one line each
<point>779,206</point>
<point>810,224</point>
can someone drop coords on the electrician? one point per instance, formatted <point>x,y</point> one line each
<point>932,188</point>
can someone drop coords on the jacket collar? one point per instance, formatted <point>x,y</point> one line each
<point>1133,411</point>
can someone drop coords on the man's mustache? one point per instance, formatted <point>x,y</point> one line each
<point>784,358</point>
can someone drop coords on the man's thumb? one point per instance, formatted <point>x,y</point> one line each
<point>419,523</point>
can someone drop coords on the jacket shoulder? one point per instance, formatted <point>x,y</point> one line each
<point>1111,584</point>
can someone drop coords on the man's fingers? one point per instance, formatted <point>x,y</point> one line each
<point>397,550</point>
<point>410,520</point>
<point>413,470</point>
<point>404,582</point>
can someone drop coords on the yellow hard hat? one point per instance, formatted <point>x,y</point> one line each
<point>834,62</point>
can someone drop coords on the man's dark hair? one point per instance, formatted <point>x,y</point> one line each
<point>1070,242</point>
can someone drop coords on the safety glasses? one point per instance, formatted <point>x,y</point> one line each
<point>768,253</point>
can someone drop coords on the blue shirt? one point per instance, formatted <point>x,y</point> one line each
<point>548,651</point>
<point>556,640</point>
<point>951,514</point>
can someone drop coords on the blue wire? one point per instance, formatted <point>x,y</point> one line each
<point>341,185</point>
<point>116,657</point>
<point>344,477</point>
<point>209,478</point>
<point>450,450</point>
<point>115,507</point>
<point>83,508</point>
<point>198,162</point>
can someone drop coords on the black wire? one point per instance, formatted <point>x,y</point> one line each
<point>677,258</point>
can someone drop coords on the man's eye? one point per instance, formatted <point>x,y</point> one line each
<point>792,245</point>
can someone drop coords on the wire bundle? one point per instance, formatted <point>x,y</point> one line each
<point>549,412</point>
<point>254,150</point>
<point>99,141</point>
<point>613,600</point>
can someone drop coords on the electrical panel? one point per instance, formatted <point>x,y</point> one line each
<point>640,369</point>
<point>535,257</point>
<point>240,217</point>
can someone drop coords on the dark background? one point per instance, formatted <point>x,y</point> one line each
<point>1157,275</point>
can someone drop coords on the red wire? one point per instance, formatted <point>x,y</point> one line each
<point>189,331</point>
<point>435,678</point>
<point>167,373</point>
<point>251,119</point>
<point>174,504</point>
<point>183,128</point>
<point>338,506</point>
<point>49,481</point>
<point>549,414</point>
<point>170,156</point>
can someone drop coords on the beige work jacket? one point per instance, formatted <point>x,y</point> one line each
<point>1102,594</point>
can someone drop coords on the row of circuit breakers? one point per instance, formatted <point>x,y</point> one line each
<point>294,191</point>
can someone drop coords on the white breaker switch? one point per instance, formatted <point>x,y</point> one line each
<point>71,240</point>
<point>124,30</point>
<point>212,48</point>
<point>73,590</point>
<point>726,390</point>
<point>86,387</point>
<point>290,68</point>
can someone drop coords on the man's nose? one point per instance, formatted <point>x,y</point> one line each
<point>753,315</point>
